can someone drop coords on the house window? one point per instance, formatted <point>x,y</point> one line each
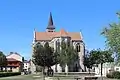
<point>10,63</point>
<point>58,46</point>
<point>117,69</point>
<point>68,43</point>
<point>78,47</point>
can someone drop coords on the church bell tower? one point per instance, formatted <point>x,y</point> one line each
<point>50,27</point>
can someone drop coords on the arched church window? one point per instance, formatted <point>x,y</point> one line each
<point>63,39</point>
<point>78,47</point>
<point>68,42</point>
<point>58,45</point>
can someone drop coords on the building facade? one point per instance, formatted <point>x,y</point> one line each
<point>26,65</point>
<point>107,68</point>
<point>54,37</point>
<point>14,62</point>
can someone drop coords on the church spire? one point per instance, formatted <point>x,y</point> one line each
<point>50,22</point>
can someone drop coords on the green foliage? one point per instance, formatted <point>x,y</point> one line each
<point>68,54</point>
<point>3,60</point>
<point>6,74</point>
<point>38,68</point>
<point>44,55</point>
<point>112,35</point>
<point>88,61</point>
<point>98,56</point>
<point>114,74</point>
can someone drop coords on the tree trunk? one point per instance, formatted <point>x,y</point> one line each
<point>0,68</point>
<point>48,72</point>
<point>43,73</point>
<point>66,69</point>
<point>85,69</point>
<point>56,68</point>
<point>5,69</point>
<point>89,70</point>
<point>101,71</point>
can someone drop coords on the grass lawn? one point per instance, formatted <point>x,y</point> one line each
<point>23,77</point>
<point>39,77</point>
<point>35,77</point>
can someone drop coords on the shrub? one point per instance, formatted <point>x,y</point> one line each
<point>114,74</point>
<point>6,74</point>
<point>109,75</point>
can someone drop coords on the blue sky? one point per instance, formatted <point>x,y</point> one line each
<point>18,18</point>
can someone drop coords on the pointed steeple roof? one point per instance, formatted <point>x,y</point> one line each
<point>50,22</point>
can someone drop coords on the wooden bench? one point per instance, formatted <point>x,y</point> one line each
<point>90,78</point>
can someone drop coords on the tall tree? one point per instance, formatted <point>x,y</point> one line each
<point>68,55</point>
<point>3,61</point>
<point>44,55</point>
<point>100,57</point>
<point>88,62</point>
<point>22,64</point>
<point>112,35</point>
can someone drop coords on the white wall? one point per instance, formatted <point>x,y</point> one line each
<point>106,68</point>
<point>26,66</point>
<point>59,69</point>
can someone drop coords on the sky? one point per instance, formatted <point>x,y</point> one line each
<point>18,18</point>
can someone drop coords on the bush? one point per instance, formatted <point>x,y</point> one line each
<point>6,74</point>
<point>109,75</point>
<point>114,74</point>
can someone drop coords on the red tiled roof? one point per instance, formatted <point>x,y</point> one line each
<point>62,32</point>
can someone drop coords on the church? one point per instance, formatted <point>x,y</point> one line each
<point>53,37</point>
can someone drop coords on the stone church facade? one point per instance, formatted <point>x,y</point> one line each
<point>53,37</point>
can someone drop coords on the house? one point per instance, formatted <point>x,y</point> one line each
<point>54,37</point>
<point>13,65</point>
<point>26,65</point>
<point>107,68</point>
<point>14,62</point>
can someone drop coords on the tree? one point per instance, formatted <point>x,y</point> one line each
<point>88,61</point>
<point>3,61</point>
<point>100,57</point>
<point>112,35</point>
<point>22,64</point>
<point>68,55</point>
<point>44,55</point>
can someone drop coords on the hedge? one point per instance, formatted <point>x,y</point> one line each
<point>114,74</point>
<point>6,74</point>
